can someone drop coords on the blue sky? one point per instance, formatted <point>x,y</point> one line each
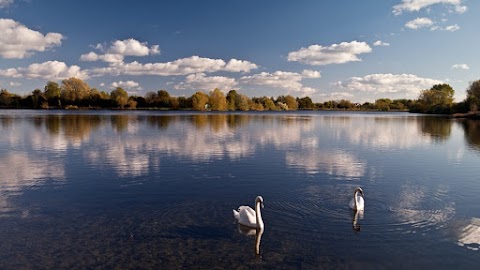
<point>328,50</point>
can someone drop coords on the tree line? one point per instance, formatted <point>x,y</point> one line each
<point>74,93</point>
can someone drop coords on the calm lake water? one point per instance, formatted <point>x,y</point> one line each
<point>155,190</point>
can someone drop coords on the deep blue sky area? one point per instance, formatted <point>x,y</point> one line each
<point>357,50</point>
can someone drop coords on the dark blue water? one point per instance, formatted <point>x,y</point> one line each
<point>155,190</point>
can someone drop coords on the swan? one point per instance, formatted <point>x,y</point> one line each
<point>357,203</point>
<point>249,217</point>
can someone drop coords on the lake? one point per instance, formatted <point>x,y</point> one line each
<point>155,190</point>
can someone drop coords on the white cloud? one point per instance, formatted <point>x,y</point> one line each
<point>461,66</point>
<point>50,70</point>
<point>18,41</point>
<point>235,65</point>
<point>201,82</point>
<point>183,66</point>
<point>5,3</point>
<point>452,28</point>
<point>126,84</point>
<point>311,74</point>
<point>290,81</point>
<point>388,83</point>
<point>14,84</point>
<point>381,43</point>
<point>333,54</point>
<point>416,5</point>
<point>419,23</point>
<point>119,49</point>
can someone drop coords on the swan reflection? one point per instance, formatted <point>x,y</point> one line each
<point>248,231</point>
<point>357,215</point>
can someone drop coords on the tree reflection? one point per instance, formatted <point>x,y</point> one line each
<point>161,121</point>
<point>75,127</point>
<point>119,122</point>
<point>439,129</point>
<point>472,133</point>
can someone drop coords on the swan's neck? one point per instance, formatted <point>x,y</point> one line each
<point>258,215</point>
<point>355,194</point>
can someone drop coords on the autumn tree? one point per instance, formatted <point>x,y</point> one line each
<point>74,90</point>
<point>119,97</point>
<point>291,103</point>
<point>199,101</point>
<point>217,100</point>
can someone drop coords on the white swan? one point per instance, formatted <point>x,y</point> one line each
<point>357,203</point>
<point>249,217</point>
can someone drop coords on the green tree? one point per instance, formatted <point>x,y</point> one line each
<point>291,103</point>
<point>199,101</point>
<point>119,97</point>
<point>5,98</point>
<point>217,100</point>
<point>305,103</point>
<point>438,99</point>
<point>52,93</point>
<point>383,104</point>
<point>163,99</point>
<point>231,100</point>
<point>473,95</point>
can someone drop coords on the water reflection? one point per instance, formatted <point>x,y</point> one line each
<point>472,133</point>
<point>439,129</point>
<point>149,189</point>
<point>469,235</point>
<point>357,215</point>
<point>248,231</point>
<point>19,171</point>
<point>423,209</point>
<point>335,163</point>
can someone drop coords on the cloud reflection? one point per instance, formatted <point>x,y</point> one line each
<point>19,171</point>
<point>469,235</point>
<point>335,163</point>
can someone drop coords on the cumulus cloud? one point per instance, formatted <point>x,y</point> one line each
<point>416,5</point>
<point>235,65</point>
<point>18,41</point>
<point>451,28</point>
<point>126,84</point>
<point>381,43</point>
<point>290,81</point>
<point>201,82</point>
<point>461,66</point>
<point>50,70</point>
<point>183,66</point>
<point>388,83</point>
<point>334,54</point>
<point>311,74</point>
<point>117,51</point>
<point>419,23</point>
